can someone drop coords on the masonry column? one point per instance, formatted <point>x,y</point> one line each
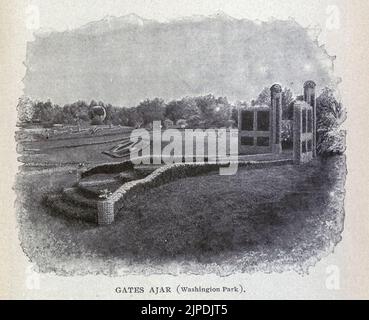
<point>309,97</point>
<point>105,212</point>
<point>276,106</point>
<point>297,131</point>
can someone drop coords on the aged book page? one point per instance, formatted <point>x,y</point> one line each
<point>184,149</point>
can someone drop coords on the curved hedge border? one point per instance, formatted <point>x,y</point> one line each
<point>108,208</point>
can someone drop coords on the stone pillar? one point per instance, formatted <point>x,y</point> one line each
<point>105,212</point>
<point>239,117</point>
<point>297,131</point>
<point>309,97</point>
<point>276,109</point>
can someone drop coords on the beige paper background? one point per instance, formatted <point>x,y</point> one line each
<point>350,44</point>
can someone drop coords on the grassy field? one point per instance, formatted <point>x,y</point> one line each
<point>271,219</point>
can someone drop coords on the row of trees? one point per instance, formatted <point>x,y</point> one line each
<point>205,111</point>
<point>77,113</point>
<point>195,112</point>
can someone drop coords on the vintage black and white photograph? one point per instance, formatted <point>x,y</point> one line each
<point>204,139</point>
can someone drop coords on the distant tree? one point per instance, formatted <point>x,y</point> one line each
<point>234,115</point>
<point>287,101</point>
<point>45,112</point>
<point>120,116</point>
<point>222,114</point>
<point>80,111</point>
<point>59,117</point>
<point>263,97</point>
<point>190,108</point>
<point>174,110</point>
<point>194,122</point>
<point>67,116</point>
<point>93,103</point>
<point>75,113</point>
<point>206,105</point>
<point>182,109</point>
<point>135,119</point>
<point>151,110</point>
<point>212,112</point>
<point>287,104</point>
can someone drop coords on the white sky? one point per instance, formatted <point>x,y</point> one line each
<point>62,15</point>
<point>67,14</point>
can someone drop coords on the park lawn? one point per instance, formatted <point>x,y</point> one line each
<point>270,219</point>
<point>68,149</point>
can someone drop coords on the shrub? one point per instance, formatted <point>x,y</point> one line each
<point>333,142</point>
<point>25,109</point>
<point>330,116</point>
<point>287,133</point>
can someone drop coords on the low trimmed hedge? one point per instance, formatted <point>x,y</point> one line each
<point>173,172</point>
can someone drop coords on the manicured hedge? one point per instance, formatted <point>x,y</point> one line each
<point>169,173</point>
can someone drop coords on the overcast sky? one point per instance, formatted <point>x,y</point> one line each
<point>62,15</point>
<point>68,14</point>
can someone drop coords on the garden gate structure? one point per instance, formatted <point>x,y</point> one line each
<point>260,126</point>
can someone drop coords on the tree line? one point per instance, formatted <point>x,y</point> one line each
<point>195,112</point>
